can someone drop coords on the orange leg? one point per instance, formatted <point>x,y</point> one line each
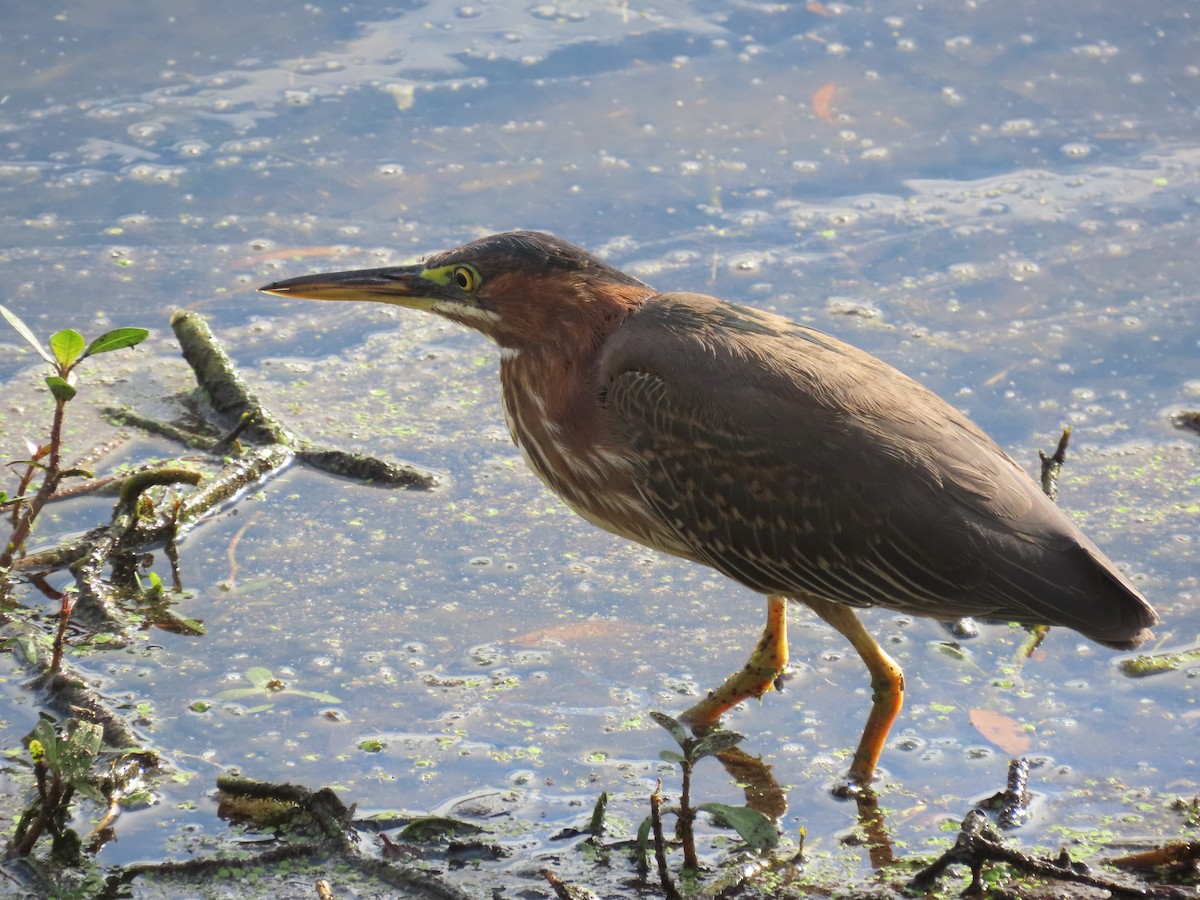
<point>755,678</point>
<point>887,686</point>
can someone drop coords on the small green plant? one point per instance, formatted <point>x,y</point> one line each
<point>752,826</point>
<point>265,684</point>
<point>67,349</point>
<point>62,766</point>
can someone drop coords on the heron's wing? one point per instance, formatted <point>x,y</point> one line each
<point>795,463</point>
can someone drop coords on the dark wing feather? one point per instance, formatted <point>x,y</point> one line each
<point>795,463</point>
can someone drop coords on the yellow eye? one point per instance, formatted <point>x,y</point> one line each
<point>466,278</point>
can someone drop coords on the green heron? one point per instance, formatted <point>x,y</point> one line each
<point>790,461</point>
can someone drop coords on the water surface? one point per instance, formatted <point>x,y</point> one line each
<point>999,200</point>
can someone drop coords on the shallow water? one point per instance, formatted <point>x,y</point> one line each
<point>1001,201</point>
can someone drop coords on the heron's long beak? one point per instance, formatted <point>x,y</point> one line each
<point>399,285</point>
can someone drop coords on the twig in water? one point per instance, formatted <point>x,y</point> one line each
<point>1052,465</point>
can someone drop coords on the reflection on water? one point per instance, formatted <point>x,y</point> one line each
<point>998,201</point>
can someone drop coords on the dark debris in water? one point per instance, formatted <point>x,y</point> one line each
<point>1188,420</point>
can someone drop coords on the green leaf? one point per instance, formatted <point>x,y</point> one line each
<point>643,842</point>
<point>596,826</point>
<point>312,695</point>
<point>90,791</point>
<point>23,330</point>
<point>674,726</point>
<point>717,742</point>
<point>78,750</point>
<point>60,388</point>
<point>66,345</point>
<point>27,645</point>
<point>671,756</point>
<point>239,693</point>
<point>26,462</point>
<point>117,339</point>
<point>258,676</point>
<point>752,826</point>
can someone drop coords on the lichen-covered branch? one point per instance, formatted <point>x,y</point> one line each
<point>216,374</point>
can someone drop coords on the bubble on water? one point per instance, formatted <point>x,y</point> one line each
<point>150,173</point>
<point>145,131</point>
<point>192,148</point>
<point>1024,269</point>
<point>1017,126</point>
<point>749,262</point>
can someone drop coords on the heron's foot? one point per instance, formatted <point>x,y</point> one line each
<point>760,674</point>
<point>851,790</point>
<point>750,683</point>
